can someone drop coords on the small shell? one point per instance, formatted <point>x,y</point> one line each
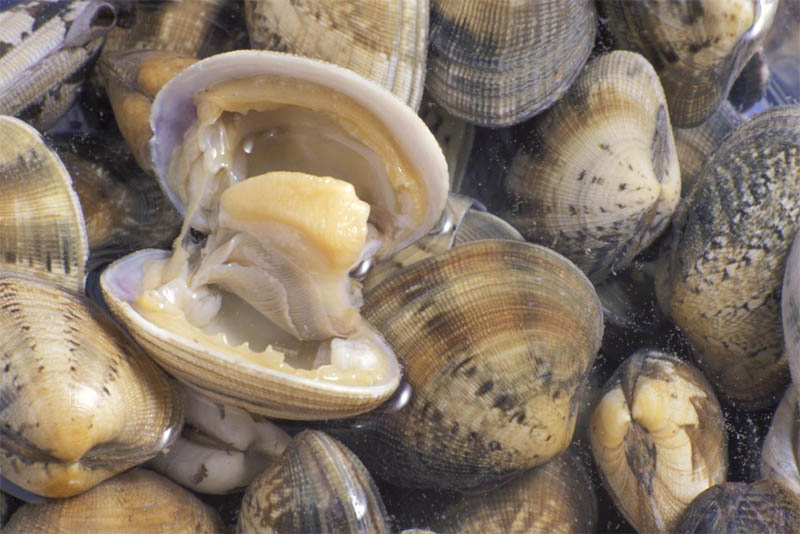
<point>780,457</point>
<point>385,42</point>
<point>721,279</point>
<point>134,502</point>
<point>318,487</point>
<point>598,178</point>
<point>790,309</point>
<point>658,439</point>
<point>42,231</point>
<point>80,402</point>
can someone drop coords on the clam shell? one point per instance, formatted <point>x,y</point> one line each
<point>720,280</point>
<point>80,401</point>
<point>790,309</point>
<point>780,456</point>
<point>229,378</point>
<point>597,178</point>
<point>317,487</point>
<point>658,439</point>
<point>385,42</point>
<point>496,337</point>
<point>42,231</point>
<point>499,62</point>
<point>133,502</point>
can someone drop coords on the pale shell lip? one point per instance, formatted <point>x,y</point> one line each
<point>126,288</point>
<point>174,111</point>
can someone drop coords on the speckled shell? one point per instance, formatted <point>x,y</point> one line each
<point>557,497</point>
<point>80,402</point>
<point>597,178</point>
<point>496,337</point>
<point>780,456</point>
<point>134,502</point>
<point>386,42</point>
<point>499,62</point>
<point>317,487</point>
<point>720,280</point>
<point>658,439</point>
<point>762,506</point>
<point>790,309</point>
<point>698,48</point>
<point>42,231</point>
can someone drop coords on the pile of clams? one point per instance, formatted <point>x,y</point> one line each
<point>424,266</point>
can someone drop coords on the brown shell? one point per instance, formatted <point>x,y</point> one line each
<point>317,487</point>
<point>42,231</point>
<point>80,402</point>
<point>597,178</point>
<point>721,278</point>
<point>385,42</point>
<point>496,337</point>
<point>658,439</point>
<point>134,502</point>
<point>790,309</point>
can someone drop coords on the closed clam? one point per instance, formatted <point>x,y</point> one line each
<point>721,278</point>
<point>42,230</point>
<point>496,338</point>
<point>80,401</point>
<point>317,487</point>
<point>780,456</point>
<point>658,439</point>
<point>499,62</point>
<point>386,42</point>
<point>790,309</point>
<point>597,178</point>
<point>698,48</point>
<point>135,501</point>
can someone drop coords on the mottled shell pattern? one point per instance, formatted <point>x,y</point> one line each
<point>790,309</point>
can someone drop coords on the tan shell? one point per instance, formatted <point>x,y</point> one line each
<point>456,137</point>
<point>658,439</point>
<point>698,48</point>
<point>81,402</point>
<point>598,178</point>
<point>317,487</point>
<point>42,232</point>
<point>780,456</point>
<point>721,279</point>
<point>496,337</point>
<point>790,309</point>
<point>386,42</point>
<point>134,502</point>
<point>499,62</point>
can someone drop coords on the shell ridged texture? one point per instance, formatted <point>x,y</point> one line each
<point>80,402</point>
<point>385,42</point>
<point>42,232</point>
<point>133,502</point>
<point>598,177</point>
<point>317,487</point>
<point>496,336</point>
<point>721,280</point>
<point>498,62</point>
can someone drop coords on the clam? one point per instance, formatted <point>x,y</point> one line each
<point>135,501</point>
<point>721,278</point>
<point>762,506</point>
<point>658,439</point>
<point>790,309</point>
<point>780,456</point>
<point>42,230</point>
<point>318,487</point>
<point>80,401</point>
<point>496,338</point>
<point>497,63</point>
<point>698,48</point>
<point>597,178</point>
<point>386,42</point>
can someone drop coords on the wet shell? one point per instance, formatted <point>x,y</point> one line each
<point>762,506</point>
<point>80,402</point>
<point>133,502</point>
<point>385,42</point>
<point>790,309</point>
<point>317,487</point>
<point>42,231</point>
<point>698,48</point>
<point>658,439</point>
<point>780,457</point>
<point>496,337</point>
<point>721,278</point>
<point>598,178</point>
<point>455,136</point>
<point>499,62</point>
